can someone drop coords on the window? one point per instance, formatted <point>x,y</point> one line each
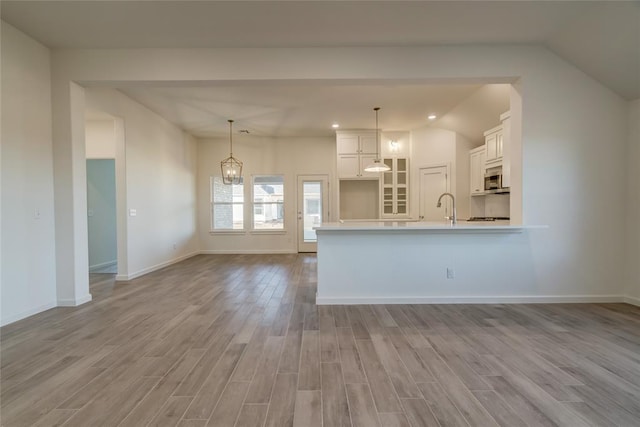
<point>227,205</point>
<point>268,202</point>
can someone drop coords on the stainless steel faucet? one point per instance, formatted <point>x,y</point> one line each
<point>453,218</point>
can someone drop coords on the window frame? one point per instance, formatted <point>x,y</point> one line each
<point>212,204</point>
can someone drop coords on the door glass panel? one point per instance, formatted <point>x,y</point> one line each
<point>402,178</point>
<point>312,209</point>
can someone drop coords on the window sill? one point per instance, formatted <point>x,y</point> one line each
<point>267,232</point>
<point>212,232</point>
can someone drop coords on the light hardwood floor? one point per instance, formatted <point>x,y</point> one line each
<point>237,340</point>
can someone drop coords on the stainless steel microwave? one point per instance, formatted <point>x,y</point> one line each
<point>493,181</point>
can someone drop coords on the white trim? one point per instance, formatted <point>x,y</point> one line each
<point>525,299</point>
<point>632,300</point>
<point>27,313</point>
<point>229,231</point>
<point>247,251</point>
<point>74,302</point>
<point>268,231</point>
<point>123,277</point>
<point>102,265</point>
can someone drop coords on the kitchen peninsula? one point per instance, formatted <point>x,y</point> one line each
<point>403,262</point>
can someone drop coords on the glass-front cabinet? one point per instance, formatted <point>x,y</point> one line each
<point>395,188</point>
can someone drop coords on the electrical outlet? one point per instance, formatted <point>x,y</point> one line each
<point>36,213</point>
<point>450,273</point>
<point>175,246</point>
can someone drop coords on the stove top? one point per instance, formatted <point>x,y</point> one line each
<point>488,218</point>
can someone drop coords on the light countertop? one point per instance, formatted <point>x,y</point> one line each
<point>425,226</point>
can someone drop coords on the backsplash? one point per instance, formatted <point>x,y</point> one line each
<point>496,205</point>
<point>490,205</point>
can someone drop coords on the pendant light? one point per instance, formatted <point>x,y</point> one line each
<point>377,165</point>
<point>231,167</point>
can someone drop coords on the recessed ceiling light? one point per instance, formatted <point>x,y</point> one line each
<point>431,117</point>
<point>335,125</point>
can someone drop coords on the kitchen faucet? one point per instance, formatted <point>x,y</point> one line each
<point>453,218</point>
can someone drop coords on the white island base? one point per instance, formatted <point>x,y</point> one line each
<point>419,262</point>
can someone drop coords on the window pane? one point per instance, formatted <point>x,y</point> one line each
<point>228,217</point>
<point>228,205</point>
<point>312,212</point>
<point>268,202</point>
<point>223,193</point>
<point>268,189</point>
<point>268,216</point>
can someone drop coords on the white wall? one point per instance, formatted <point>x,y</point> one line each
<point>263,156</point>
<point>100,139</point>
<point>160,184</point>
<point>574,136</point>
<point>463,197</point>
<point>28,243</point>
<point>430,147</point>
<point>633,200</point>
<point>477,113</point>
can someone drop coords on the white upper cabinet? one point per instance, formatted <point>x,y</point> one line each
<point>348,144</point>
<point>506,148</point>
<point>368,144</point>
<point>497,145</point>
<point>476,170</point>
<point>356,149</point>
<point>493,139</point>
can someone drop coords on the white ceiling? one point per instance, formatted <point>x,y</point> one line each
<point>310,110</point>
<point>600,37</point>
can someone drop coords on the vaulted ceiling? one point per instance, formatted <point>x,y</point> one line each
<point>600,37</point>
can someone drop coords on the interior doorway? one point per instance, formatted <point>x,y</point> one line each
<point>434,181</point>
<point>101,216</point>
<point>313,209</point>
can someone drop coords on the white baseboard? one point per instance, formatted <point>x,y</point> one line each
<point>526,299</point>
<point>27,313</point>
<point>74,302</point>
<point>247,251</point>
<point>632,300</point>
<point>102,265</point>
<point>123,277</point>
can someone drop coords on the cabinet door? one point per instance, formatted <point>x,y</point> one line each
<point>402,203</point>
<point>348,166</point>
<point>347,144</point>
<point>492,147</point>
<point>388,207</point>
<point>499,144</point>
<point>365,160</point>
<point>368,144</point>
<point>474,172</point>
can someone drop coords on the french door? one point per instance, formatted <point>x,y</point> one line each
<point>313,209</point>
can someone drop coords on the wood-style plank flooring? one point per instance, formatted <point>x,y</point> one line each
<point>225,340</point>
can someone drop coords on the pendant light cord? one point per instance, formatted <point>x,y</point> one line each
<point>377,134</point>
<point>230,138</point>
